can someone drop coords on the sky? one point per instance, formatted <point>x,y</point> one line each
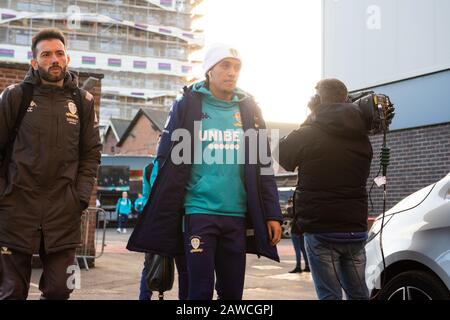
<point>280,43</point>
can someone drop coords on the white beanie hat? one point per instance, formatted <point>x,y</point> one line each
<point>217,53</point>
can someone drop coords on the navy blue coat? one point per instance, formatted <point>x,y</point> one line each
<point>159,228</point>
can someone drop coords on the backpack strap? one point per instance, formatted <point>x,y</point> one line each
<point>77,98</point>
<point>148,172</point>
<point>27,96</point>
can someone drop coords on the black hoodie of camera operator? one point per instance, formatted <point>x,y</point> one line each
<point>333,154</point>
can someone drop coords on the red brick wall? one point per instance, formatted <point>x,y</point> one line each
<point>142,139</point>
<point>109,143</point>
<point>9,76</point>
<point>11,73</point>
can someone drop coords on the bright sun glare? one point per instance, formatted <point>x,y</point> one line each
<point>280,42</point>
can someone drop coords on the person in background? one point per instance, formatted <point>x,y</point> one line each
<point>333,154</point>
<point>49,156</point>
<point>298,241</point>
<point>148,178</point>
<point>123,209</point>
<point>139,204</point>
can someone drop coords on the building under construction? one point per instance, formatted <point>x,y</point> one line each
<point>143,47</point>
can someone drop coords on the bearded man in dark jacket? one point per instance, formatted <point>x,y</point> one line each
<point>48,168</point>
<point>333,153</point>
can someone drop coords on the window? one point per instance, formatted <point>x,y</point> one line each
<point>3,33</point>
<point>22,37</point>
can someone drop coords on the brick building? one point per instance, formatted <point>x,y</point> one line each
<point>135,137</point>
<point>141,136</point>
<point>114,132</point>
<point>419,157</point>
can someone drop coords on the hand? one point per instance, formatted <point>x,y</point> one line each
<point>390,114</point>
<point>83,205</point>
<point>274,230</point>
<point>314,102</point>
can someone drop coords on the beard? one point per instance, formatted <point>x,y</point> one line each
<point>47,76</point>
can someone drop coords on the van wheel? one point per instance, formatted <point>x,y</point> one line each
<point>414,285</point>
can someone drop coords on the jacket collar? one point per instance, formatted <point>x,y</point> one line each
<point>194,109</point>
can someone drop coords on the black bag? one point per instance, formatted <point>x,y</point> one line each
<point>160,274</point>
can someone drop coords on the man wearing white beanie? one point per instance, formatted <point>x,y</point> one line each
<point>223,203</point>
<point>227,73</point>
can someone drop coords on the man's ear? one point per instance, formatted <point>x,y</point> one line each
<point>68,59</point>
<point>34,64</point>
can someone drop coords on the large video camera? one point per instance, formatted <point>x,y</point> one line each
<point>377,110</point>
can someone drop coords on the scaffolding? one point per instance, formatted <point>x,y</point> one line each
<point>155,35</point>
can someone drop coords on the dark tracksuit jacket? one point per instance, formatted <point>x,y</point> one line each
<point>49,180</point>
<point>333,154</point>
<point>159,230</point>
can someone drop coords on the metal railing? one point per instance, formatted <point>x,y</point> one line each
<point>88,250</point>
<point>92,250</point>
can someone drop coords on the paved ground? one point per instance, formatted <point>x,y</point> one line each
<point>117,273</point>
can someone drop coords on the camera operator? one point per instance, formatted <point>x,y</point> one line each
<point>333,154</point>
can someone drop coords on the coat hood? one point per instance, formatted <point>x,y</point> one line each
<point>342,119</point>
<point>33,77</point>
<point>200,87</point>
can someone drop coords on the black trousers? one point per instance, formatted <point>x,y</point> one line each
<point>15,274</point>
